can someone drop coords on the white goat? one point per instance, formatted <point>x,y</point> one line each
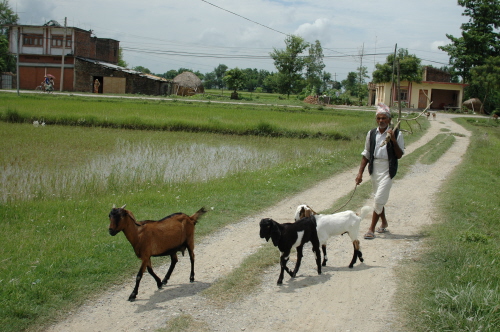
<point>328,225</point>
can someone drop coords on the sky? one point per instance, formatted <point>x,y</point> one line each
<point>199,35</point>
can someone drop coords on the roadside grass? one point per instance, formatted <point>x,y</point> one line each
<point>56,251</point>
<point>454,283</point>
<point>184,323</point>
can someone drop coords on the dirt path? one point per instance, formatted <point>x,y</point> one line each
<point>341,299</point>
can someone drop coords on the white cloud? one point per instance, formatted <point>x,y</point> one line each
<point>436,44</point>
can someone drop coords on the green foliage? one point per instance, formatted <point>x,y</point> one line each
<point>121,60</point>
<point>290,64</point>
<point>7,16</point>
<point>142,69</point>
<point>234,79</point>
<point>314,67</point>
<point>219,72</point>
<point>480,37</point>
<point>410,68</point>
<point>488,77</point>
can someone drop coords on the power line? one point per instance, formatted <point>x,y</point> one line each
<point>243,17</point>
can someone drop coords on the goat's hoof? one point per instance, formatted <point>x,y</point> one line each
<point>324,264</point>
<point>350,266</point>
<point>131,298</point>
<point>280,282</point>
<point>191,280</point>
<point>361,259</point>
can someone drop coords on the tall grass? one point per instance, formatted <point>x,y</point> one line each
<point>454,285</point>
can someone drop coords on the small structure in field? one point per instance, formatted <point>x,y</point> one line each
<point>475,105</point>
<point>187,84</point>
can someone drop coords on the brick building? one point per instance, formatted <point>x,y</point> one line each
<point>86,58</point>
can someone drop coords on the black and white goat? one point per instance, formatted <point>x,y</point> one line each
<point>291,235</point>
<point>340,223</point>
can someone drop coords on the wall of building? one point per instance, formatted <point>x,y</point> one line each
<point>87,71</point>
<point>440,94</point>
<point>107,50</point>
<point>435,75</point>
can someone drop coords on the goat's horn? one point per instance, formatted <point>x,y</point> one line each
<point>114,206</point>
<point>123,206</point>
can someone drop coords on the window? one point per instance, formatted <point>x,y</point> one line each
<point>33,40</point>
<point>403,94</point>
<point>57,41</point>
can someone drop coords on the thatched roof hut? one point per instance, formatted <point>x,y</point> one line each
<point>475,105</point>
<point>187,84</point>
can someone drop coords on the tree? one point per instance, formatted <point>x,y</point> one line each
<point>488,76</point>
<point>170,74</point>
<point>219,72</point>
<point>6,60</point>
<point>350,84</point>
<point>314,67</point>
<point>410,68</point>
<point>142,69</point>
<point>121,61</point>
<point>7,16</point>
<point>209,81</point>
<point>480,37</point>
<point>362,87</point>
<point>234,79</point>
<point>290,64</point>
<point>326,79</point>
<point>270,83</point>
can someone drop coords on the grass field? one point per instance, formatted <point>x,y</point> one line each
<point>60,181</point>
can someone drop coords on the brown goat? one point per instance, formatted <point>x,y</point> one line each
<point>151,238</point>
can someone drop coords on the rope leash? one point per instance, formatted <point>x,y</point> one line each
<point>356,186</point>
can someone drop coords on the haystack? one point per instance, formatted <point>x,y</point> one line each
<point>474,104</point>
<point>187,84</point>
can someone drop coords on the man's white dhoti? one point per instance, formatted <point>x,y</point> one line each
<point>382,183</point>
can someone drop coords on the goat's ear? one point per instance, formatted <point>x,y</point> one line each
<point>275,235</point>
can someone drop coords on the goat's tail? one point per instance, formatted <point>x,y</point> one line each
<point>365,210</point>
<point>198,214</point>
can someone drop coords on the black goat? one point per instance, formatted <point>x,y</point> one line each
<point>291,235</point>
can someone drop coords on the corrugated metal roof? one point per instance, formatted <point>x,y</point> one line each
<point>123,69</point>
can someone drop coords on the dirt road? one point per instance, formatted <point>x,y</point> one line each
<point>341,299</point>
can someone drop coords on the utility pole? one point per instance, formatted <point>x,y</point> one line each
<point>392,80</point>
<point>18,77</point>
<point>360,76</point>
<point>62,61</point>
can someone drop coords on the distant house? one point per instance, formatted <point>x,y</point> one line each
<point>47,49</point>
<point>435,85</point>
